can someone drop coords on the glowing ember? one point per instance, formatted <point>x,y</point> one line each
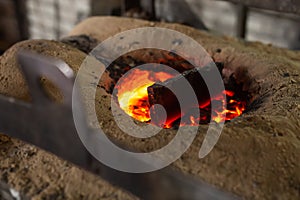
<point>132,92</point>
<point>234,108</point>
<point>132,97</point>
<point>135,103</point>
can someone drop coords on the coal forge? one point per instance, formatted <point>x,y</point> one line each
<point>138,90</point>
<point>256,157</point>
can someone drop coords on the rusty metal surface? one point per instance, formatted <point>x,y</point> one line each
<point>287,6</point>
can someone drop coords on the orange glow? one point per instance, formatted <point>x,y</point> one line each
<point>229,93</point>
<point>132,97</point>
<point>193,123</point>
<point>132,92</point>
<point>234,109</point>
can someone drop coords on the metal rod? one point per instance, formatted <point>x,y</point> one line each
<point>153,10</point>
<point>57,18</point>
<point>21,16</point>
<point>242,16</point>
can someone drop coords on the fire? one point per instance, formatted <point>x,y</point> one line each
<point>135,103</point>
<point>233,108</point>
<point>132,92</point>
<point>132,97</point>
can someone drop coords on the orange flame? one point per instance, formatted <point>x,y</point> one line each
<point>132,92</point>
<point>132,96</point>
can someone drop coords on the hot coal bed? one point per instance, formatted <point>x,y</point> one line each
<point>138,90</point>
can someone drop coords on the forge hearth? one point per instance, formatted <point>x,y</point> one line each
<point>256,156</point>
<point>136,91</point>
<point>254,147</point>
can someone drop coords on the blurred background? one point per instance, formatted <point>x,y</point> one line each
<point>270,21</point>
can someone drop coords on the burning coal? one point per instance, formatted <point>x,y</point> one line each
<point>137,92</point>
<point>132,93</point>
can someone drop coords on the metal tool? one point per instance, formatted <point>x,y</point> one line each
<point>50,126</point>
